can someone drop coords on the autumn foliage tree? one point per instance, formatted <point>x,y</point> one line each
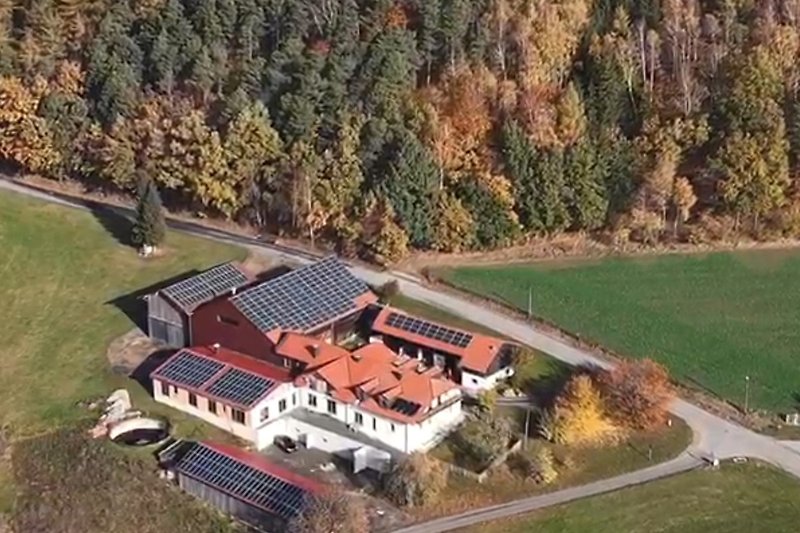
<point>637,393</point>
<point>332,511</point>
<point>415,480</point>
<point>579,416</point>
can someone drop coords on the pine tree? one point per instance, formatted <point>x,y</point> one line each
<point>149,229</point>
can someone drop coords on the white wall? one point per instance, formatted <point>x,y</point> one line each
<point>430,431</point>
<point>475,383</point>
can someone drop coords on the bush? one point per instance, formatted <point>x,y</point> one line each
<point>483,437</point>
<point>416,480</point>
<point>487,400</point>
<point>637,393</point>
<point>537,464</point>
<point>332,511</point>
<point>388,290</point>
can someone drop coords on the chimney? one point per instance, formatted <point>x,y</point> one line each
<point>215,347</point>
<point>315,350</point>
<point>233,291</point>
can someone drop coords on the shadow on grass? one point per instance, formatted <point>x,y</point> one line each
<point>141,374</point>
<point>116,223</point>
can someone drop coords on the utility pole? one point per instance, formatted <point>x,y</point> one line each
<point>527,427</point>
<point>746,394</point>
<point>530,301</point>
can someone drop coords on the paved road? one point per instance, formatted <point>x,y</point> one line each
<point>713,436</point>
<point>682,463</point>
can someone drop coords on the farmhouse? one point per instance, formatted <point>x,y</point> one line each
<point>323,300</point>
<point>477,362</point>
<point>242,484</point>
<point>169,309</point>
<point>364,405</point>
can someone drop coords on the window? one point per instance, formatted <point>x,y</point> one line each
<point>282,406</point>
<point>392,427</point>
<point>164,389</point>
<point>474,381</point>
<point>227,320</point>
<point>312,400</point>
<point>294,398</point>
<point>264,413</point>
<point>375,424</point>
<point>238,416</point>
<point>192,399</point>
<point>332,407</point>
<point>359,419</point>
<point>212,407</point>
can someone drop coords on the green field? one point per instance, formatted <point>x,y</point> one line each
<point>734,499</point>
<point>712,319</point>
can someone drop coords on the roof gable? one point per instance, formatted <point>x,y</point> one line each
<point>305,298</point>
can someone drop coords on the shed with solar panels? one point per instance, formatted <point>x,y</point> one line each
<point>169,309</point>
<point>240,483</point>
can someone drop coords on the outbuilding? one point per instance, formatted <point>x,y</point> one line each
<point>243,484</point>
<point>169,309</point>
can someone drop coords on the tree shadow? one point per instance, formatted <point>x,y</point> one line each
<point>141,374</point>
<point>115,221</point>
<point>134,304</point>
<point>272,273</point>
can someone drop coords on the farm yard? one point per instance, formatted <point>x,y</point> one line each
<point>712,319</point>
<point>734,499</point>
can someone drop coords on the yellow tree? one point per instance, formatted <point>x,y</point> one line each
<point>384,241</point>
<point>454,229</point>
<point>25,139</point>
<point>683,198</point>
<point>578,416</point>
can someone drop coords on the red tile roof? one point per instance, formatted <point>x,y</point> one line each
<point>478,355</point>
<point>373,375</point>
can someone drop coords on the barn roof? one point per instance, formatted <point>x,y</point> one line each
<point>305,298</point>
<point>247,477</point>
<point>191,292</point>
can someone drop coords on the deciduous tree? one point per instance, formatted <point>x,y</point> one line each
<point>637,393</point>
<point>415,480</point>
<point>332,511</point>
<point>579,417</point>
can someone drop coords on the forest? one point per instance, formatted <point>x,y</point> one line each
<point>384,126</point>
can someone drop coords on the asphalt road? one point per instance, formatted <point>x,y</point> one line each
<point>714,437</point>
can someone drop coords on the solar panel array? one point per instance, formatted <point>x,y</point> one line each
<point>406,407</point>
<point>206,285</point>
<point>189,369</point>
<point>429,330</point>
<point>303,298</point>
<point>242,481</point>
<point>240,387</point>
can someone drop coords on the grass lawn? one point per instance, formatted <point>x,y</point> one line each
<point>712,319</point>
<point>60,272</point>
<point>734,499</point>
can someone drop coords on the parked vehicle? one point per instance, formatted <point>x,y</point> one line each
<point>285,443</point>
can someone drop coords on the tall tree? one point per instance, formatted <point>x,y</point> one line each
<point>149,229</point>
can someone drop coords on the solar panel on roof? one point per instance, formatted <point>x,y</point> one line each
<point>405,407</point>
<point>429,330</point>
<point>242,481</point>
<point>241,387</point>
<point>206,285</point>
<point>303,298</point>
<point>189,369</point>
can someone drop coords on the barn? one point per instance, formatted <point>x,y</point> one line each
<point>243,484</point>
<point>169,309</point>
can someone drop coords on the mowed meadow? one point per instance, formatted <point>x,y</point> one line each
<point>713,319</point>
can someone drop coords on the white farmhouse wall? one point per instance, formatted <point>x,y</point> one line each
<point>474,384</point>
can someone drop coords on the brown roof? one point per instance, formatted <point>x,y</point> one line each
<point>478,355</point>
